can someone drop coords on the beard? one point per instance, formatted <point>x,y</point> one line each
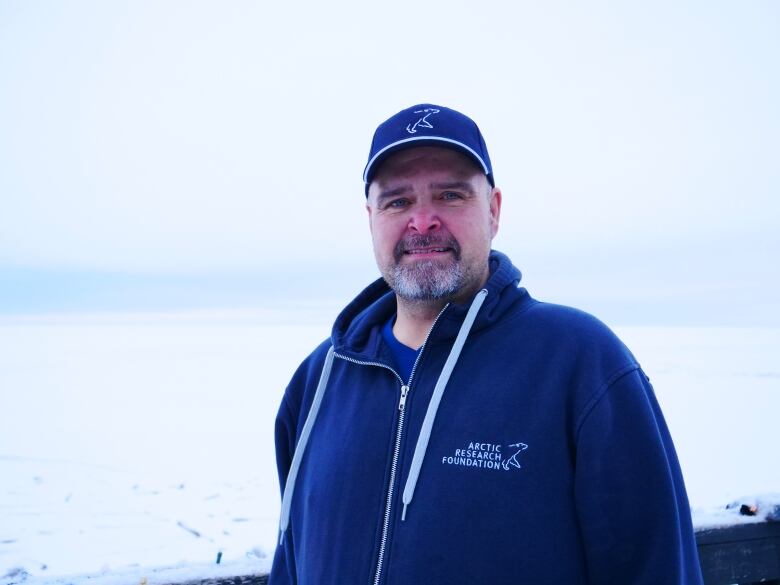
<point>429,279</point>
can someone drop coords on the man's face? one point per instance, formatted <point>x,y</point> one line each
<point>433,215</point>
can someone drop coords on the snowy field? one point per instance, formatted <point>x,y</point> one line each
<point>136,441</point>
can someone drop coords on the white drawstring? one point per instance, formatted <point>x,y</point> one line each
<point>289,486</point>
<point>433,405</point>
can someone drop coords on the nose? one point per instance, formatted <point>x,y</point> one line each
<point>424,219</point>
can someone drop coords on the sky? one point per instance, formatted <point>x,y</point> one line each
<point>184,155</point>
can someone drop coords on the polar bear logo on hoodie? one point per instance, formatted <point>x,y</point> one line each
<point>520,447</point>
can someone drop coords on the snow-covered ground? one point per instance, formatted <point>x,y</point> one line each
<point>136,441</point>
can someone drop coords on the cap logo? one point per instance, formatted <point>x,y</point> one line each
<point>423,121</point>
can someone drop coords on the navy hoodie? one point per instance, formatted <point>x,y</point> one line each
<point>548,461</point>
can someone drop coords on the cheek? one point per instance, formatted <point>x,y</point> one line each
<point>470,227</point>
<point>384,236</point>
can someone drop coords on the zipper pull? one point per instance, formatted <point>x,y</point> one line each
<point>404,392</point>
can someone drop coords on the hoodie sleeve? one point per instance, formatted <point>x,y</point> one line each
<point>283,567</point>
<point>629,491</point>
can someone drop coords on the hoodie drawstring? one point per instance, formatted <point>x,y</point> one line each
<point>433,405</point>
<point>289,486</point>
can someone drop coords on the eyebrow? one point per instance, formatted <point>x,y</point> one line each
<point>393,192</point>
<point>456,185</point>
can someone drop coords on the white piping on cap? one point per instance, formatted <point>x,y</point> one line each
<point>433,138</point>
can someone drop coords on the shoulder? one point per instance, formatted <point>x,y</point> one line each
<point>577,341</point>
<point>565,326</point>
<point>304,381</point>
<point>565,318</point>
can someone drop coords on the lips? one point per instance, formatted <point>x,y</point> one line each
<point>414,251</point>
<point>422,246</point>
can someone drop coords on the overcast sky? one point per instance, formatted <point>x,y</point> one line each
<point>211,152</point>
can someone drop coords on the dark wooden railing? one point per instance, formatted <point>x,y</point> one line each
<point>743,554</point>
<point>241,580</point>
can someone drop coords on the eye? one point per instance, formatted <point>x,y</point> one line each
<point>451,196</point>
<point>397,203</point>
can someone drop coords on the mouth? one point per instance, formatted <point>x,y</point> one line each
<point>427,251</point>
<point>427,248</point>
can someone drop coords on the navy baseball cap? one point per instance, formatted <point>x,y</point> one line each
<point>427,125</point>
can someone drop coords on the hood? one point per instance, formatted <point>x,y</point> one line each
<point>356,332</point>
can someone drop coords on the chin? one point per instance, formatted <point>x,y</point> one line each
<point>426,280</point>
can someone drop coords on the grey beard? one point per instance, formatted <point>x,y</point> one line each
<point>426,280</point>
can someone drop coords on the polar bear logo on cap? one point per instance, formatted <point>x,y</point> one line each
<point>423,121</point>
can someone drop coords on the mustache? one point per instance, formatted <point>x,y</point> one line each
<point>422,241</point>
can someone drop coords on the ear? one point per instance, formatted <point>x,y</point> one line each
<point>495,210</point>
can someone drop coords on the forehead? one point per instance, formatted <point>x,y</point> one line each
<point>425,160</point>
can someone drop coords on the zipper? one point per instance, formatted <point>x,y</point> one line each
<point>405,388</point>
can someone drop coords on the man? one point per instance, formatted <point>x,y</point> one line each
<point>453,429</point>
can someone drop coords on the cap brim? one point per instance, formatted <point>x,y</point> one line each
<point>390,149</point>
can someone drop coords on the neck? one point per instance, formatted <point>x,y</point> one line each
<point>414,319</point>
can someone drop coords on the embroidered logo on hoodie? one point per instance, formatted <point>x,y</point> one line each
<point>487,456</point>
